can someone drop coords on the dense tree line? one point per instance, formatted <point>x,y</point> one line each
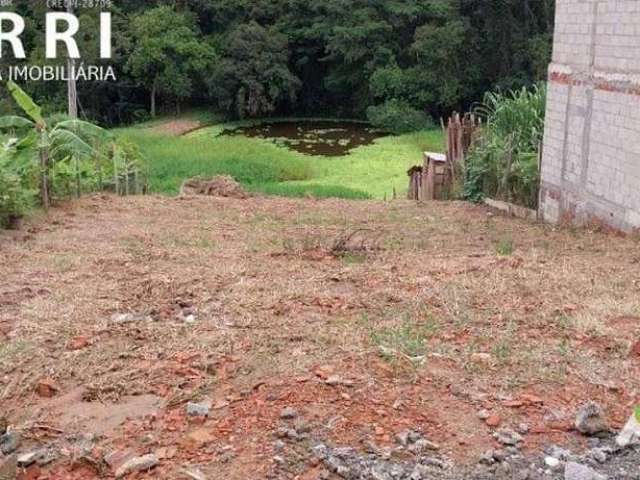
<point>277,57</point>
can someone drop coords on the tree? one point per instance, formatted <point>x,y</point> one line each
<point>252,77</point>
<point>169,54</point>
<point>57,141</point>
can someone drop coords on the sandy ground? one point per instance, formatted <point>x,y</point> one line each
<point>367,317</point>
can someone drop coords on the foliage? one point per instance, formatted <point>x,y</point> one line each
<point>373,171</point>
<point>249,162</point>
<point>17,196</point>
<point>504,161</point>
<point>397,116</point>
<point>168,55</point>
<point>59,156</point>
<point>253,78</point>
<point>331,58</point>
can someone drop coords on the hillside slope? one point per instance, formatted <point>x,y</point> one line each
<point>368,318</point>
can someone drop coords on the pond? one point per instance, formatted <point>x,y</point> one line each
<point>326,138</point>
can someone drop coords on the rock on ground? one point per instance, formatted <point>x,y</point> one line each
<point>590,420</point>
<point>138,464</point>
<point>577,471</point>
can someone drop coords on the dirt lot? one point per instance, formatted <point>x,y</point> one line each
<point>368,318</point>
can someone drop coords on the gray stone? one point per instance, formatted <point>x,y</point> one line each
<point>198,409</point>
<point>288,413</point>
<point>41,457</point>
<point>484,414</point>
<point>403,438</point>
<point>506,436</point>
<point>590,420</point>
<point>552,462</point>
<point>194,474</point>
<point>9,442</point>
<point>487,458</point>
<point>321,451</point>
<point>598,454</point>
<point>423,445</point>
<point>121,318</point>
<point>434,462</point>
<point>558,452</point>
<point>137,464</point>
<point>577,471</point>
<point>420,472</point>
<point>499,455</point>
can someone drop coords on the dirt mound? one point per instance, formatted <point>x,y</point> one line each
<point>220,186</point>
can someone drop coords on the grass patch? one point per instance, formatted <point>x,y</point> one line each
<point>372,171</point>
<point>302,190</point>
<point>505,247</point>
<point>253,163</point>
<point>404,343</point>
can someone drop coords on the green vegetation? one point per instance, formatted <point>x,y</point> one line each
<point>505,247</point>
<point>404,342</point>
<point>372,171</point>
<point>168,57</point>
<point>504,162</point>
<point>56,157</point>
<point>398,116</point>
<point>17,196</point>
<point>334,58</point>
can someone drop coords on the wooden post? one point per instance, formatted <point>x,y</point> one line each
<point>72,92</point>
<point>44,179</point>
<point>116,175</point>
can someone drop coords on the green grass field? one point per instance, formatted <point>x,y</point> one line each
<point>371,171</point>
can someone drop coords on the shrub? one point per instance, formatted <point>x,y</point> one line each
<point>504,160</point>
<point>17,195</point>
<point>398,116</point>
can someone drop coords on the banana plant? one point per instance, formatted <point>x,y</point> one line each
<point>59,141</point>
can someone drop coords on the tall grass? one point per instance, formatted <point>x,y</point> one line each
<point>372,171</point>
<point>252,163</point>
<point>503,163</point>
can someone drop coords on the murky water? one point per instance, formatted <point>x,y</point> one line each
<point>330,139</point>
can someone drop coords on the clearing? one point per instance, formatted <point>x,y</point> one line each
<point>261,304</point>
<point>342,159</point>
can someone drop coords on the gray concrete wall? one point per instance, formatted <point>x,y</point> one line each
<point>591,158</point>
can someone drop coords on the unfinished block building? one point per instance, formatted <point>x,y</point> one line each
<point>591,158</point>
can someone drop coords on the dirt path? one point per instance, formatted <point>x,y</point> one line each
<point>116,313</point>
<point>177,128</point>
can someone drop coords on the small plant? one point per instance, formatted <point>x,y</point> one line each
<point>503,163</point>
<point>52,140</point>
<point>16,196</point>
<point>505,247</point>
<point>354,258</point>
<point>128,168</point>
<point>405,342</point>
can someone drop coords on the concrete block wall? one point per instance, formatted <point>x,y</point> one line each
<point>591,158</point>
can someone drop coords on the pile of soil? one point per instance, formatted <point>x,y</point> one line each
<point>220,186</point>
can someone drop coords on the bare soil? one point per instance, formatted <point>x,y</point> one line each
<point>369,318</point>
<point>177,128</point>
